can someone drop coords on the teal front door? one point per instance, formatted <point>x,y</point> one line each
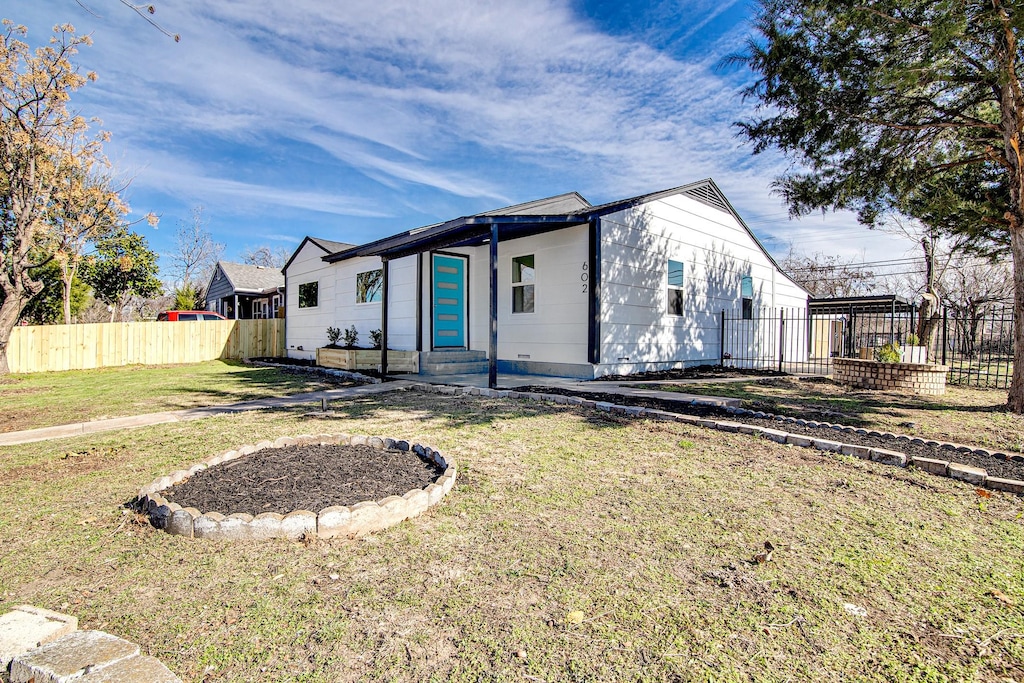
<point>448,284</point>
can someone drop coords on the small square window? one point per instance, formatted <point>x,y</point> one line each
<point>675,287</point>
<point>369,286</point>
<point>523,276</point>
<point>309,294</point>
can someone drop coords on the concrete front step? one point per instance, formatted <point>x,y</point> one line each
<point>452,368</point>
<point>457,362</point>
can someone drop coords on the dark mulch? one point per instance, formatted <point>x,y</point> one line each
<point>303,478</point>
<point>695,372</point>
<point>286,363</point>
<point>1010,467</point>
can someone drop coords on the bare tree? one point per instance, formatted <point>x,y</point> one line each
<point>268,257</point>
<point>826,276</point>
<point>195,255</point>
<point>146,11</point>
<point>39,137</point>
<point>939,251</point>
<point>971,287</point>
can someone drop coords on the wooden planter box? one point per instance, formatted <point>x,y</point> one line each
<point>368,359</point>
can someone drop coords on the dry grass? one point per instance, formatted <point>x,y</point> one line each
<point>45,399</point>
<point>962,415</point>
<point>575,546</point>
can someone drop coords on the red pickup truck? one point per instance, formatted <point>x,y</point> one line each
<point>189,315</point>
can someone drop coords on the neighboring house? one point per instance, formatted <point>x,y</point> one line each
<point>554,286</point>
<point>239,291</point>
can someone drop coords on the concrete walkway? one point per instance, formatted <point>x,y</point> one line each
<point>400,382</point>
<point>79,428</point>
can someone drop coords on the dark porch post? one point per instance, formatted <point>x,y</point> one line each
<point>384,320</point>
<point>492,362</point>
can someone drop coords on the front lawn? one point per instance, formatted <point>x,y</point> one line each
<point>963,415</point>
<point>576,545</point>
<point>47,399</point>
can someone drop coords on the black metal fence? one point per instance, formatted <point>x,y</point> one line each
<point>976,345</point>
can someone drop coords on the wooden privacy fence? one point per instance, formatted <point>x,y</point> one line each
<point>46,348</point>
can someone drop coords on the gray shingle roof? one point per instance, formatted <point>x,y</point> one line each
<point>330,245</point>
<point>246,278</point>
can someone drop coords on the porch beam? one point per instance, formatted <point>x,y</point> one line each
<point>492,360</point>
<point>384,320</point>
<point>594,300</point>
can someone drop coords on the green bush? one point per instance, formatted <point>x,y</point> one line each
<point>913,340</point>
<point>376,339</point>
<point>333,335</point>
<point>890,353</point>
<point>351,337</point>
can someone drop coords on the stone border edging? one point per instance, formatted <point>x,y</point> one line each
<point>337,520</point>
<point>316,370</point>
<point>948,468</point>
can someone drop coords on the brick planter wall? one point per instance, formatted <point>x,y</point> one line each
<point>910,378</point>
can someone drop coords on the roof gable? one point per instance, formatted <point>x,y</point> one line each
<point>326,246</point>
<point>248,278</point>
<point>569,202</point>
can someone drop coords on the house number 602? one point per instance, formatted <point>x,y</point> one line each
<point>585,276</point>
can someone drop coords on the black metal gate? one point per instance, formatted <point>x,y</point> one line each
<point>976,345</point>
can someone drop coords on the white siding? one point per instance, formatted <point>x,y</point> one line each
<point>367,316</point>
<point>307,327</point>
<point>556,332</point>
<point>637,332</point>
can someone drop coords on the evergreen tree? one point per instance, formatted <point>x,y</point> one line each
<point>909,106</point>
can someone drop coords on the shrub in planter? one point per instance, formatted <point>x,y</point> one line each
<point>888,353</point>
<point>376,339</point>
<point>333,335</point>
<point>351,337</point>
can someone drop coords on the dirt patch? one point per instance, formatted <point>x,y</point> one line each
<point>694,372</point>
<point>303,478</point>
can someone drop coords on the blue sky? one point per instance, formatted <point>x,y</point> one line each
<point>358,119</point>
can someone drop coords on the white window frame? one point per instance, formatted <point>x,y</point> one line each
<point>514,285</point>
<point>299,291</point>
<point>670,288</point>
<point>380,290</point>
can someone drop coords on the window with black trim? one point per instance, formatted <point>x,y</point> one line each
<point>675,287</point>
<point>369,286</point>
<point>309,295</point>
<point>523,278</point>
<point>747,295</point>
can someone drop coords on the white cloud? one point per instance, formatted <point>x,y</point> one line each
<point>434,96</point>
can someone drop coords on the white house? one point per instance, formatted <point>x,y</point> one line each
<point>554,286</point>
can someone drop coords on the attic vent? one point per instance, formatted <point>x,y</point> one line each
<point>707,194</point>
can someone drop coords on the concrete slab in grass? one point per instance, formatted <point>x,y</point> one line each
<point>26,628</point>
<point>972,475</point>
<point>132,670</point>
<point>71,657</point>
<point>1008,485</point>
<point>887,457</point>
<point>931,465</point>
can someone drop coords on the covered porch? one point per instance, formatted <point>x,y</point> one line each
<point>442,313</point>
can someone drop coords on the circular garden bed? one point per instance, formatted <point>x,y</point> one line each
<point>329,485</point>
